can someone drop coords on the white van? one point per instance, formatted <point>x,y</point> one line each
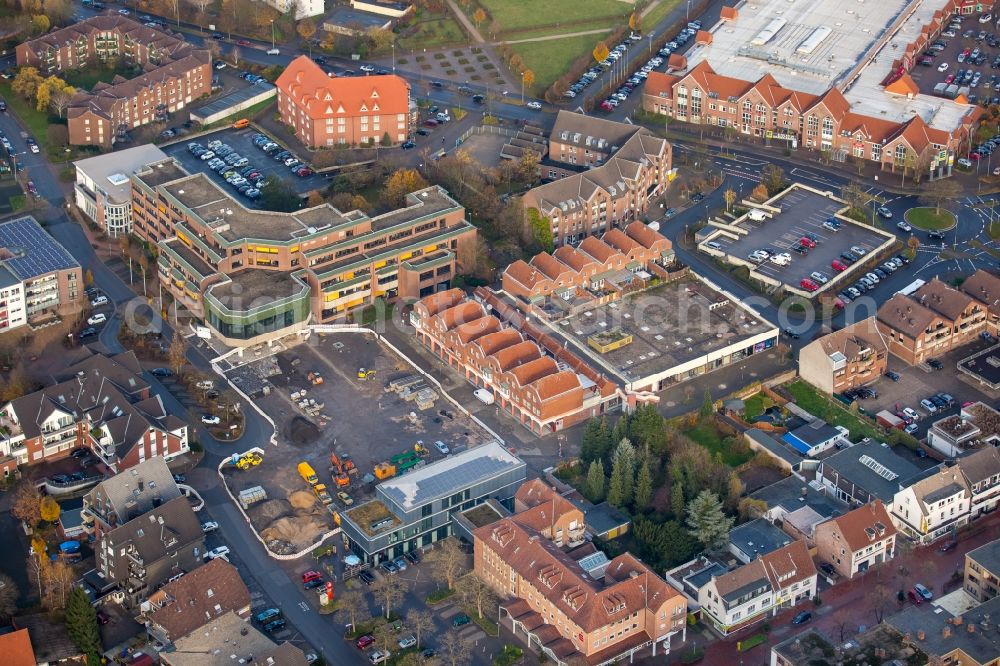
<point>757,215</point>
<point>484,396</point>
<point>98,318</point>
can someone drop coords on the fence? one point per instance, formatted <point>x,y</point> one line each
<point>486,129</point>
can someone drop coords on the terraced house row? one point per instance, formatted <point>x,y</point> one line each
<point>174,74</point>
<point>254,275</point>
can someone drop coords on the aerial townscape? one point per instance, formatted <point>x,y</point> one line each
<point>499,332</point>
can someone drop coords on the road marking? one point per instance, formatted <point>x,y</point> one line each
<point>304,606</point>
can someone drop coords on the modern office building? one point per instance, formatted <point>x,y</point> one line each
<point>415,509</point>
<point>326,111</point>
<point>252,275</point>
<point>103,188</point>
<point>39,278</point>
<point>603,174</point>
<point>976,426</point>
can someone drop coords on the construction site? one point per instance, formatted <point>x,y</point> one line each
<point>325,463</point>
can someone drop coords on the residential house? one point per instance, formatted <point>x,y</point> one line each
<point>148,551</point>
<point>604,175</point>
<point>216,643</point>
<point>975,426</point>
<point>857,540</point>
<point>969,639</point>
<point>933,506</point>
<point>549,597</point>
<point>326,111</point>
<point>39,278</point>
<point>814,438</point>
<point>185,605</point>
<point>15,646</point>
<point>754,539</point>
<point>798,506</point>
<point>774,581</point>
<point>866,472</point>
<point>101,403</point>
<point>127,495</point>
<point>981,470</point>
<point>851,357</point>
<point>985,288</point>
<point>931,321</point>
<point>982,571</point>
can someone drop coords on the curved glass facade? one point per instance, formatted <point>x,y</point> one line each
<point>244,324</point>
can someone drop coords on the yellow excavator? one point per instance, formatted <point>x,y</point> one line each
<point>249,460</point>
<point>365,374</point>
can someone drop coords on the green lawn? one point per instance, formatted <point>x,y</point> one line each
<point>755,405</point>
<point>37,122</point>
<point>830,410</point>
<point>659,12</point>
<point>435,33</point>
<point>521,14</point>
<point>86,79</point>
<point>550,59</point>
<point>706,435</point>
<point>993,230</point>
<point>928,219</point>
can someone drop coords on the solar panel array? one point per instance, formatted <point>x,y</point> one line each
<point>878,468</point>
<point>35,252</point>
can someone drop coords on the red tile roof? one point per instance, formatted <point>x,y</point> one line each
<point>854,525</point>
<point>550,266</point>
<point>573,258</point>
<point>322,96</point>
<point>494,342</point>
<point>442,300</point>
<point>659,84</point>
<point>513,356</point>
<point>552,386</point>
<point>16,649</point>
<point>532,371</point>
<point>461,314</point>
<point>645,236</point>
<point>617,239</point>
<point>597,248</point>
<point>521,272</point>
<point>729,14</point>
<point>477,329</point>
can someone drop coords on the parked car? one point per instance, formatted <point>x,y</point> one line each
<point>914,597</point>
<point>209,526</point>
<point>364,641</point>
<point>161,372</point>
<point>923,592</point>
<point>366,578</point>
<point>220,551</point>
<point>928,406</point>
<point>461,620</point>
<point>442,447</point>
<point>802,617</point>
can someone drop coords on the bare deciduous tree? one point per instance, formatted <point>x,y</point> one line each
<point>388,591</point>
<point>455,649</point>
<point>419,621</point>
<point>447,561</point>
<point>475,592</point>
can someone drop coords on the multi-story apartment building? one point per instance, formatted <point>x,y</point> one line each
<point>145,552</point>
<point>982,571</point>
<point>255,275</point>
<point>981,470</point>
<point>604,174</point>
<point>932,321</point>
<point>101,403</point>
<point>774,581</point>
<point>127,495</point>
<point>174,74</point>
<point>588,265</point>
<point>39,278</point>
<point>866,472</point>
<point>933,506</point>
<point>853,356</point>
<point>103,188</point>
<point>857,540</point>
<point>968,638</point>
<point>303,8</point>
<point>976,425</point>
<point>329,111</point>
<point>538,506</point>
<point>190,602</point>
<point>415,509</point>
<point>567,612</point>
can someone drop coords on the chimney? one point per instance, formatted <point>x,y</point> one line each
<point>972,628</point>
<point>957,621</point>
<point>921,635</point>
<point>946,632</point>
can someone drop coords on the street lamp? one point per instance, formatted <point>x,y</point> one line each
<point>522,87</point>
<point>394,57</point>
<point>272,34</point>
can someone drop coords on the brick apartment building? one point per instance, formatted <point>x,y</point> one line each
<point>982,571</point>
<point>567,608</point>
<point>101,403</point>
<point>342,110</point>
<point>590,264</point>
<point>254,275</point>
<point>857,540</point>
<point>127,495</point>
<point>853,356</point>
<point>938,318</point>
<point>174,74</point>
<point>39,278</point>
<point>825,122</point>
<point>603,175</point>
<point>545,388</point>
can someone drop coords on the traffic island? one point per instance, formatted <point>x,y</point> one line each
<point>930,219</point>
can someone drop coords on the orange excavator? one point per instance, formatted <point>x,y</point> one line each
<point>340,476</point>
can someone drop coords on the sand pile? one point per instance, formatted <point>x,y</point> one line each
<point>300,531</point>
<point>301,499</point>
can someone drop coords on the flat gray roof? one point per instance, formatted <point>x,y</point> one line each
<point>234,98</point>
<point>449,475</point>
<point>988,556</point>
<point>758,537</point>
<point>112,172</point>
<point>874,467</point>
<point>792,493</point>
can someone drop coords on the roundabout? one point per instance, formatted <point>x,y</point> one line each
<point>929,219</point>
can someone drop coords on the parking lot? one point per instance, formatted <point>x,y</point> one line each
<point>241,140</point>
<point>803,212</point>
<point>383,423</point>
<point>980,44</point>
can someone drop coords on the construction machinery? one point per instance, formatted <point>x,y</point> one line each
<point>365,374</point>
<point>308,474</point>
<point>420,449</point>
<point>249,460</point>
<point>384,471</point>
<point>321,493</point>
<point>315,378</point>
<point>349,465</point>
<point>337,469</point>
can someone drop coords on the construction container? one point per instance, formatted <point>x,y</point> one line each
<point>384,470</point>
<point>251,496</point>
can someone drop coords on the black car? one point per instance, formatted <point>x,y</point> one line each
<point>478,99</point>
<point>77,476</point>
<point>274,625</point>
<point>422,132</point>
<point>792,334</point>
<point>948,546</point>
<point>934,363</point>
<point>802,617</point>
<point>697,197</point>
<point>179,478</point>
<point>938,402</point>
<point>412,557</point>
<point>894,376</point>
<point>319,582</point>
<point>437,84</point>
<point>427,653</point>
<point>60,478</point>
<point>366,578</point>
<point>408,145</point>
<point>827,568</point>
<point>161,372</point>
<point>87,332</point>
<point>216,35</point>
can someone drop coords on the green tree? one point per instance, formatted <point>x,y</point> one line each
<point>773,178</point>
<point>594,485</point>
<point>540,229</point>
<point>939,192</point>
<point>8,596</point>
<point>81,625</point>
<point>662,544</point>
<point>643,487</point>
<point>677,499</point>
<point>596,440</point>
<point>622,474</point>
<point>278,196</point>
<point>386,140</point>
<point>706,520</point>
<point>707,405</point>
<point>647,428</point>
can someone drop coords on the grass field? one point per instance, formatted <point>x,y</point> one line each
<point>830,410</point>
<point>37,122</point>
<point>928,220</point>
<point>708,436</point>
<point>435,33</point>
<point>85,79</point>
<point>513,15</point>
<point>657,13</point>
<point>550,59</point>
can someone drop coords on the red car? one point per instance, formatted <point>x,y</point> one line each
<point>808,284</point>
<point>243,42</point>
<point>913,596</point>
<point>808,242</point>
<point>368,639</point>
<point>949,78</point>
<point>838,266</point>
<point>311,575</point>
